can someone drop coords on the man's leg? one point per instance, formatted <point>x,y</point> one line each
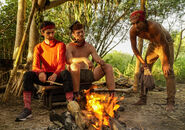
<point>27,86</point>
<point>150,59</point>
<point>66,79</point>
<point>29,79</point>
<point>170,82</point>
<point>75,74</point>
<point>106,70</point>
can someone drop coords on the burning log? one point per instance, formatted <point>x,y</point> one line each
<point>99,113</point>
<point>75,111</point>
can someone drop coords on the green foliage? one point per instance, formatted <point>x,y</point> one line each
<point>177,42</point>
<point>121,62</point>
<point>179,69</point>
<point>8,20</point>
<point>118,60</point>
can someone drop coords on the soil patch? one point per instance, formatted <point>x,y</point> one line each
<point>152,116</point>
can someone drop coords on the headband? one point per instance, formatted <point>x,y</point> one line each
<point>48,27</point>
<point>138,14</point>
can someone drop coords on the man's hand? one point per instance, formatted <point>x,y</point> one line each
<point>53,77</point>
<point>42,77</point>
<point>166,69</point>
<point>101,62</point>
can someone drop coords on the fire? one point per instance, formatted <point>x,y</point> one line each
<point>101,106</point>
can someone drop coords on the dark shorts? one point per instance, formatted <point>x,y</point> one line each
<point>86,76</point>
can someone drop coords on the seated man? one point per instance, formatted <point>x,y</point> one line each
<point>78,52</point>
<point>48,64</point>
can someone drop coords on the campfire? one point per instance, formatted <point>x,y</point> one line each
<point>101,107</point>
<point>99,112</point>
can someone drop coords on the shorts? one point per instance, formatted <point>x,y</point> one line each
<point>86,76</point>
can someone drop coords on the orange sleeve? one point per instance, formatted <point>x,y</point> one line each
<point>61,58</point>
<point>36,66</point>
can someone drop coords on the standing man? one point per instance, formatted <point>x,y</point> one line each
<point>80,67</point>
<point>48,64</point>
<point>161,46</point>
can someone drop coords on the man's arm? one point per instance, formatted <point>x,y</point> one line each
<point>61,52</point>
<point>36,66</point>
<point>134,46</point>
<point>95,56</point>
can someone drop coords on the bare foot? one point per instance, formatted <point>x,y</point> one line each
<point>170,107</point>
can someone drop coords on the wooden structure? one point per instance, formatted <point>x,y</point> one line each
<point>54,94</point>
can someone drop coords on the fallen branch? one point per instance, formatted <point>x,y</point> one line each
<point>115,90</point>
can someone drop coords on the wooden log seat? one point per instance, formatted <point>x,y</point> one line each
<point>54,94</point>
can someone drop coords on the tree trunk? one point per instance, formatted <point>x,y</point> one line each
<point>180,43</point>
<point>140,47</point>
<point>20,50</point>
<point>33,40</point>
<point>20,25</point>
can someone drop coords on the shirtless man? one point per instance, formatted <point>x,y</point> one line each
<point>161,46</point>
<point>78,52</point>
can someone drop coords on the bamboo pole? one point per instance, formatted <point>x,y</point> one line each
<point>17,60</point>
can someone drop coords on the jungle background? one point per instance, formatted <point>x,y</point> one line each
<point>107,26</point>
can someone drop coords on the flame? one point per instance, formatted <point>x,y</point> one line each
<point>101,106</point>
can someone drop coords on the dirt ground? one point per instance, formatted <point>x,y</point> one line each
<point>148,117</point>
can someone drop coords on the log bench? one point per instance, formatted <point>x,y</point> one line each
<point>54,94</point>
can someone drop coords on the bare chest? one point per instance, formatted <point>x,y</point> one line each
<point>148,36</point>
<point>81,51</point>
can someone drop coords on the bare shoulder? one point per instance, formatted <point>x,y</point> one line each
<point>90,46</point>
<point>153,25</point>
<point>132,30</point>
<point>69,45</point>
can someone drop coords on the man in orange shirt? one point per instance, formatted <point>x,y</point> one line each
<point>48,64</point>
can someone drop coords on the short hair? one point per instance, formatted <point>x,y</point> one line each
<point>76,26</point>
<point>47,23</point>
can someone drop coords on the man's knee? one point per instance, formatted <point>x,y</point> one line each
<point>28,75</point>
<point>108,68</point>
<point>75,67</point>
<point>28,80</point>
<point>170,75</point>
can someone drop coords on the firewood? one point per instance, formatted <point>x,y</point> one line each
<point>115,90</point>
<point>74,108</point>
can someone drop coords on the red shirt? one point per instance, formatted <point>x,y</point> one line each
<point>49,58</point>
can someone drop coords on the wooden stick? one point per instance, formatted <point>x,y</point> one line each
<point>115,90</point>
<point>60,84</point>
<point>52,82</point>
